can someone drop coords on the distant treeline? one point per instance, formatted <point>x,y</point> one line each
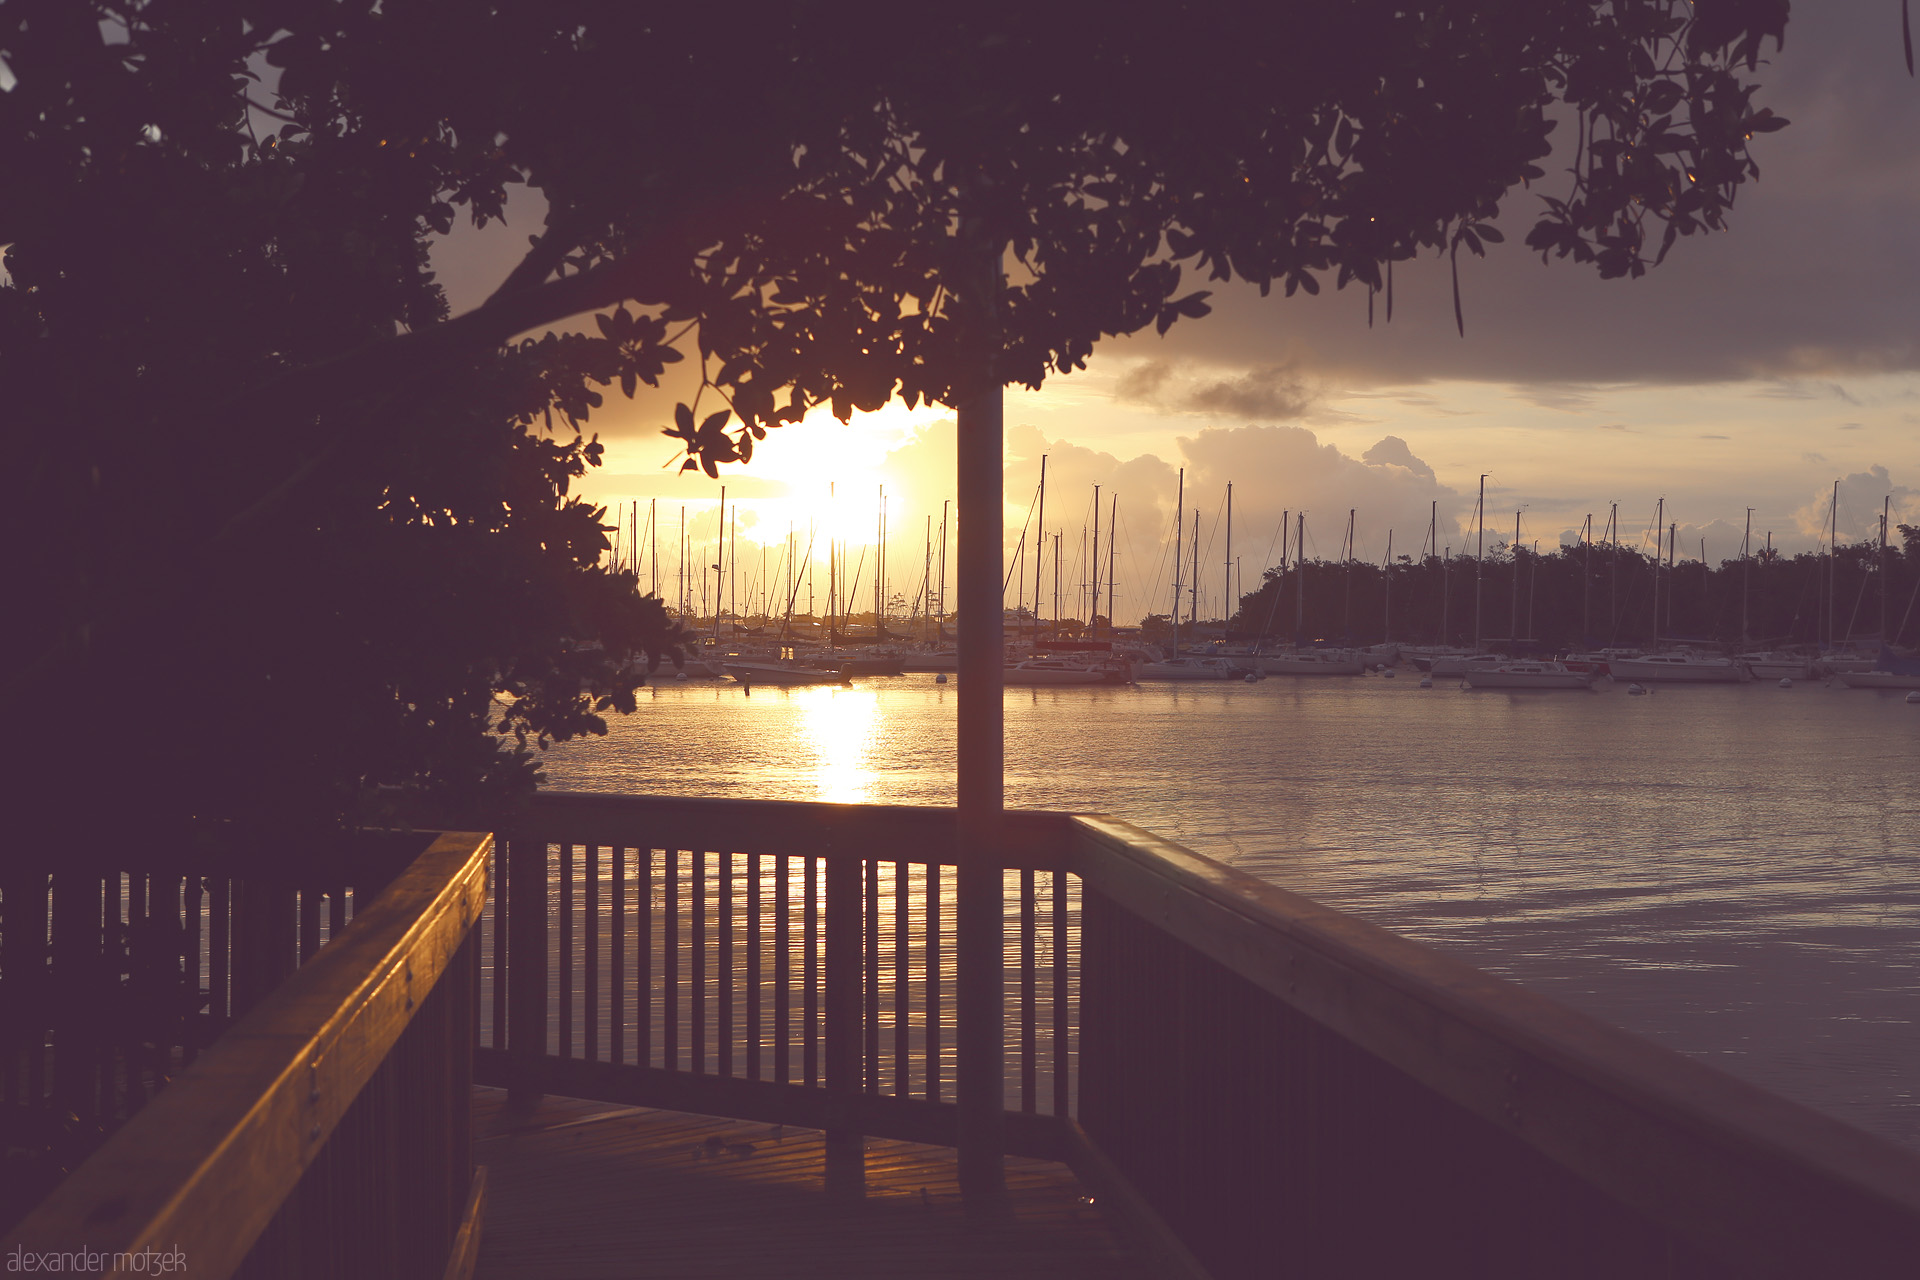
<point>1600,595</point>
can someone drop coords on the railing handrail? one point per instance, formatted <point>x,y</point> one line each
<point>1033,839</point>
<point>204,1167</point>
<point>1741,1171</point>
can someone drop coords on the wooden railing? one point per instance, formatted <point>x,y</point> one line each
<point>114,977</point>
<point>326,1133</point>
<point>1271,1087</point>
<point>786,962</point>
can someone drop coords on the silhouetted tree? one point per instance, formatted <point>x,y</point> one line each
<point>288,530</point>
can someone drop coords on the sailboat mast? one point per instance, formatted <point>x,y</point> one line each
<point>1586,585</point>
<point>1833,565</point>
<point>1113,527</point>
<point>1300,579</point>
<point>1446,593</point>
<point>1746,573</point>
<point>1659,531</point>
<point>1346,608</point>
<point>653,545</point>
<point>719,571</point>
<point>1093,611</point>
<point>833,578</point>
<point>1886,513</point>
<point>1479,562</point>
<point>1193,587</point>
<point>1386,627</point>
<point>1040,540</point>
<point>1673,553</point>
<point>1226,607</point>
<point>1513,614</point>
<point>1179,532</point>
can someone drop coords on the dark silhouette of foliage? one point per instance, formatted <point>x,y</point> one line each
<point>288,530</point>
<point>1562,605</point>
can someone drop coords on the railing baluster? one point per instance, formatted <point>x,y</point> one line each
<point>845,925</point>
<point>1062,973</point>
<point>643,956</point>
<point>697,917</point>
<point>309,922</point>
<point>566,951</point>
<point>753,966</point>
<point>723,928</point>
<point>902,979</point>
<point>528,995</point>
<point>931,1016</point>
<point>810,971</point>
<point>1028,1021</point>
<point>670,961</point>
<point>617,954</point>
<point>195,888</point>
<point>497,900</point>
<point>590,961</point>
<point>782,968</point>
<point>871,966</point>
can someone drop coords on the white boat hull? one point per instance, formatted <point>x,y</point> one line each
<point>1689,671</point>
<point>1780,668</point>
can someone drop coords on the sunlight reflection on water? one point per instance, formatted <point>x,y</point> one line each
<point>1734,871</point>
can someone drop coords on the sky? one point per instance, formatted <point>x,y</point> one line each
<point>1753,369</point>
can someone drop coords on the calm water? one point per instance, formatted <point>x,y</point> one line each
<point>1733,871</point>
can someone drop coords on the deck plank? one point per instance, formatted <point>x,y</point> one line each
<point>587,1191</point>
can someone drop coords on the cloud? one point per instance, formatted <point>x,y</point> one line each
<point>1861,496</point>
<point>1393,452</point>
<point>1270,394</point>
<point>1287,468</point>
<point>1708,435</point>
<point>1570,399</point>
<point>1615,426</point>
<point>1812,280</point>
<point>1262,393</point>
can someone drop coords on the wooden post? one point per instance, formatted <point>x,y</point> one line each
<point>846,1156</point>
<point>527,967</point>
<point>982,794</point>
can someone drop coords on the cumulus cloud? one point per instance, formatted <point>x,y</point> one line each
<point>1288,468</point>
<point>1861,497</point>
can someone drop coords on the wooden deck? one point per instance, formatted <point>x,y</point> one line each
<point>587,1190</point>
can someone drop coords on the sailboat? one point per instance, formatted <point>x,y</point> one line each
<point>1890,672</point>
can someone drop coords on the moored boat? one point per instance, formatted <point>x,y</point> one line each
<point>1774,665</point>
<point>1529,675</point>
<point>1678,668</point>
<point>1459,665</point>
<point>1889,672</point>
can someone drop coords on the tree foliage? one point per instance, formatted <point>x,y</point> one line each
<point>291,529</point>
